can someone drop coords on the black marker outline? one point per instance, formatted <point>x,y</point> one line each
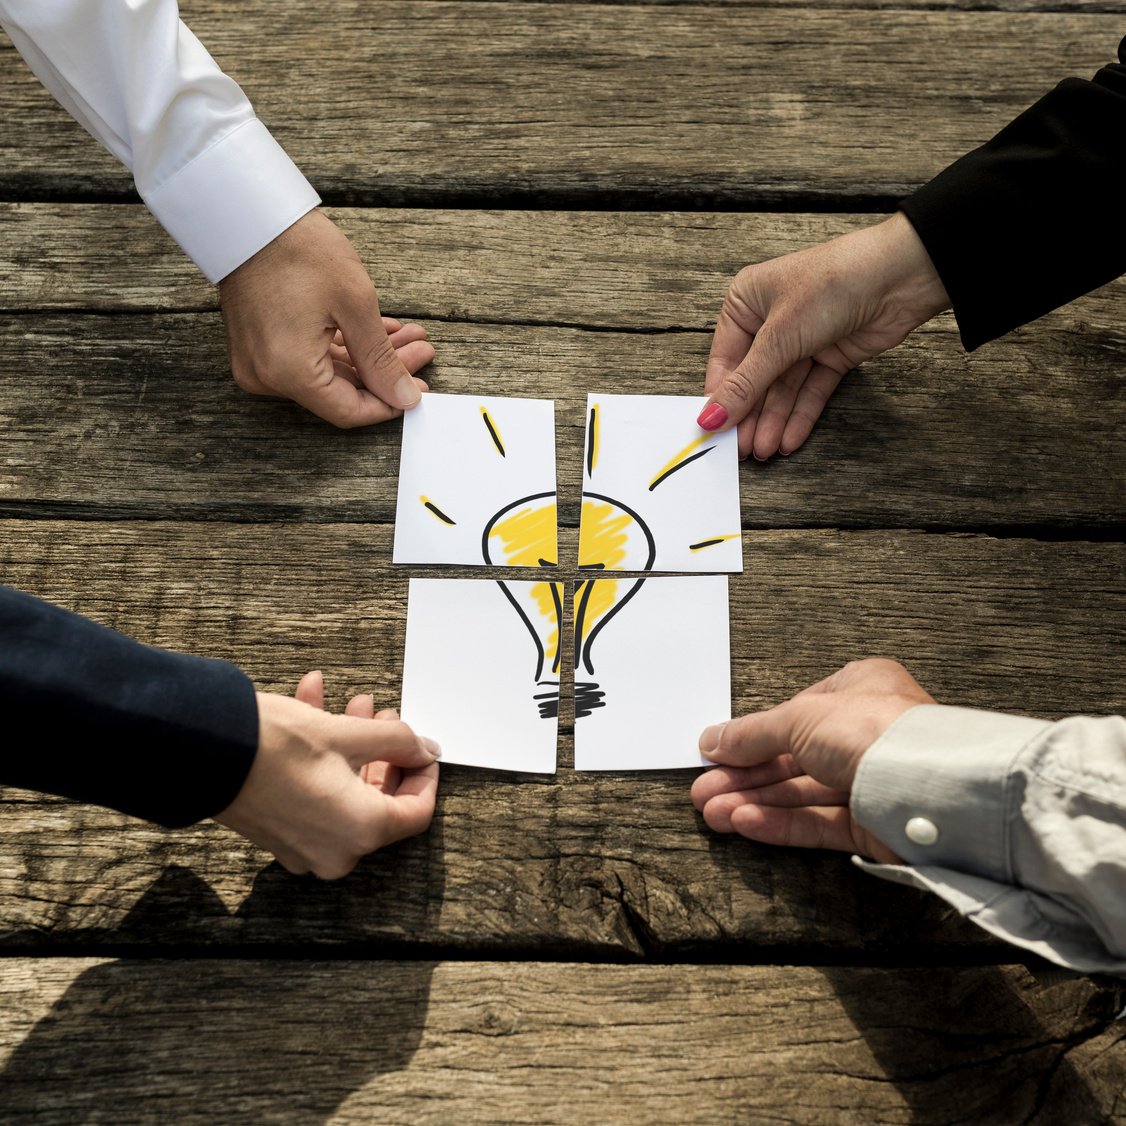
<point>540,655</point>
<point>680,465</point>
<point>591,439</point>
<point>582,652</point>
<point>492,433</point>
<point>588,697</point>
<point>489,527</point>
<point>439,513</point>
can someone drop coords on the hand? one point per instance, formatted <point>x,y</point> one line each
<point>790,328</point>
<point>303,322</point>
<point>788,771</point>
<point>325,790</point>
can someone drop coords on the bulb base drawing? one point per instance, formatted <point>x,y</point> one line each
<point>588,697</point>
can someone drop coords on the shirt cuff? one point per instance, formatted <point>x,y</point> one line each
<point>231,200</point>
<point>933,787</point>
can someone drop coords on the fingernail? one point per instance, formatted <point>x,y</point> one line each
<point>712,417</point>
<point>431,746</point>
<point>407,393</point>
<point>710,737</point>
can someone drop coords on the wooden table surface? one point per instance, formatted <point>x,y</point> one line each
<point>560,193</point>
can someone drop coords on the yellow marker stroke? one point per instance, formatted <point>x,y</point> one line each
<point>593,597</point>
<point>428,503</point>
<point>711,541</point>
<point>682,459</point>
<point>528,537</point>
<point>603,536</point>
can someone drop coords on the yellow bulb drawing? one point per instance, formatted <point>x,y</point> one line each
<point>612,537</point>
<point>523,534</point>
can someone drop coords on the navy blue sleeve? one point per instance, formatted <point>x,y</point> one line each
<point>1035,217</point>
<point>95,716</point>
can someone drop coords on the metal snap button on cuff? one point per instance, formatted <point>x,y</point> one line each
<point>921,830</point>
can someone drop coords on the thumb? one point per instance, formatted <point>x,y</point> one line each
<point>374,356</point>
<point>772,352</point>
<point>751,739</point>
<point>362,740</point>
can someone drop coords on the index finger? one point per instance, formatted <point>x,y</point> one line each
<point>363,740</point>
<point>774,350</point>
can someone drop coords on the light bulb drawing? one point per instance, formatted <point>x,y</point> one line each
<point>522,534</point>
<point>614,536</point>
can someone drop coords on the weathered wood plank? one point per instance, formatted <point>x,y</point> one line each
<point>610,865</point>
<point>599,269</point>
<point>595,269</point>
<point>137,416</point>
<point>400,102</point>
<point>426,1042</point>
<point>879,5</point>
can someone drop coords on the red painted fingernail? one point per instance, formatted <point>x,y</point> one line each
<point>712,417</point>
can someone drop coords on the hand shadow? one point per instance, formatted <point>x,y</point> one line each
<point>217,1038</point>
<point>978,1042</point>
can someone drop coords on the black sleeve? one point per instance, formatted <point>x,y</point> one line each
<point>92,715</point>
<point>1037,216</point>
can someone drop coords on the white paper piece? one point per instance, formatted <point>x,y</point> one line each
<point>659,493</point>
<point>481,670</point>
<point>477,482</point>
<point>652,670</point>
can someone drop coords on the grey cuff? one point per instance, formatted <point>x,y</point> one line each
<point>936,787</point>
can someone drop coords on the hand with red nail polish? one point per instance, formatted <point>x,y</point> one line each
<point>792,327</point>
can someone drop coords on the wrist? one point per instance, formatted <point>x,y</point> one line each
<point>914,282</point>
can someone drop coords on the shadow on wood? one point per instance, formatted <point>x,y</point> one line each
<point>990,1042</point>
<point>213,1040</point>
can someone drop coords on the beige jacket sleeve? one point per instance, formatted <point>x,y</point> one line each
<point>1018,823</point>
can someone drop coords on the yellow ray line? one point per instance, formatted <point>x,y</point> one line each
<point>686,455</point>
<point>428,503</point>
<point>711,541</point>
<point>494,433</point>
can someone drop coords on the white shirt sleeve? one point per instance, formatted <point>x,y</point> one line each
<point>1018,823</point>
<point>134,76</point>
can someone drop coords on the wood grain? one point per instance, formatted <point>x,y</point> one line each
<point>607,865</point>
<point>640,271</point>
<point>425,1042</point>
<point>402,102</point>
<point>138,486</point>
<point>136,416</point>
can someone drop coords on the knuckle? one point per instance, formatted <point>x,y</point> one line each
<point>334,868</point>
<point>741,386</point>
